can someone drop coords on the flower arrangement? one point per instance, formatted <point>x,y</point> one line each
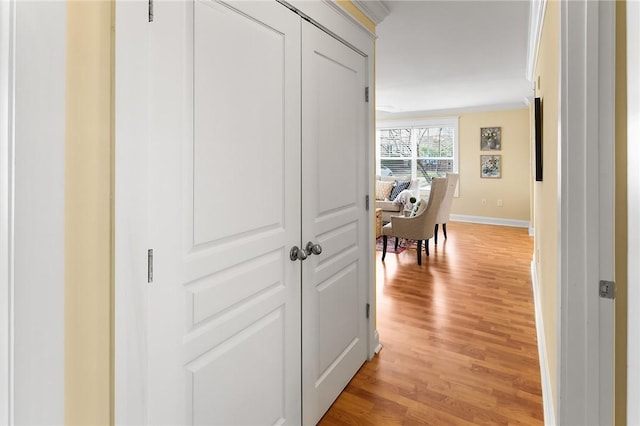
<point>490,134</point>
<point>490,138</point>
<point>490,166</point>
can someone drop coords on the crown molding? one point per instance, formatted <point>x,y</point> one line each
<point>536,17</point>
<point>383,115</point>
<point>375,10</point>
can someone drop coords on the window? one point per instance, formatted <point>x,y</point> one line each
<point>421,149</point>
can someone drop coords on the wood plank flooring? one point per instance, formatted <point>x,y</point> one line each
<point>458,335</point>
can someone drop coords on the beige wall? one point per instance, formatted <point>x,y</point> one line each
<point>621,218</point>
<point>513,187</point>
<point>356,13</point>
<point>88,215</point>
<point>545,193</point>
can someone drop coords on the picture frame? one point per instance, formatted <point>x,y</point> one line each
<point>491,166</point>
<point>490,138</point>
<point>538,130</point>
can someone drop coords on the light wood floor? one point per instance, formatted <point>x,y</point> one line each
<point>458,335</point>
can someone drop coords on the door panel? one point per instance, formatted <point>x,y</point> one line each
<point>334,154</point>
<point>239,124</point>
<point>224,212</point>
<point>258,385</point>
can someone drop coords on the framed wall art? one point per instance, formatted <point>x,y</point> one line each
<point>538,128</point>
<point>490,138</point>
<point>491,166</point>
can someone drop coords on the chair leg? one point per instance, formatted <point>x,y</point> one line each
<point>396,246</point>
<point>384,246</point>
<point>426,246</point>
<point>435,234</point>
<point>444,229</point>
<point>419,252</point>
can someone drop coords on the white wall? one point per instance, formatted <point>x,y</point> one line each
<point>39,147</point>
<point>5,206</point>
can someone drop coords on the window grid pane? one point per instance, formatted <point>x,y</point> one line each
<point>423,151</point>
<point>434,141</point>
<point>430,168</point>
<point>395,167</point>
<point>395,143</point>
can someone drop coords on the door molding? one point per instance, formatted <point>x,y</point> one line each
<point>32,87</point>
<point>585,216</point>
<point>130,228</point>
<point>633,194</point>
<point>6,209</point>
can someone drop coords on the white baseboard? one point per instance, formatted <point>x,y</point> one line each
<point>376,342</point>
<point>545,375</point>
<point>374,345</point>
<point>490,220</point>
<point>532,232</point>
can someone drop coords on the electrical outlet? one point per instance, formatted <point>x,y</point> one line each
<point>484,201</point>
<point>499,202</point>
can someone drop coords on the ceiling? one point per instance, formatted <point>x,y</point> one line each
<point>451,56</point>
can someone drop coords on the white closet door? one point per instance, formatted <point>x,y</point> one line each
<point>334,152</point>
<point>224,210</point>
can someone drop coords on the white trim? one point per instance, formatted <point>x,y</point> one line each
<point>38,211</point>
<point>392,115</point>
<point>515,223</point>
<point>532,231</point>
<point>545,373</point>
<point>39,201</point>
<point>536,17</point>
<point>585,338</point>
<point>7,144</point>
<point>376,343</point>
<point>418,122</point>
<point>375,10</point>
<point>633,207</point>
<point>131,235</point>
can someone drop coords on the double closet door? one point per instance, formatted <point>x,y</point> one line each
<point>256,145</point>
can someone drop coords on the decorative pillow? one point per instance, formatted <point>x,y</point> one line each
<point>398,188</point>
<point>416,206</point>
<point>383,189</point>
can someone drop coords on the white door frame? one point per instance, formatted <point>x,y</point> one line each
<point>32,90</point>
<point>633,199</point>
<point>586,190</point>
<point>6,209</point>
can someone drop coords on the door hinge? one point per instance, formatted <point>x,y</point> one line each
<point>366,202</point>
<point>366,94</point>
<point>368,309</point>
<point>150,10</point>
<point>607,289</point>
<point>150,265</point>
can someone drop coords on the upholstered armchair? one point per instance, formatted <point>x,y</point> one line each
<point>445,206</point>
<point>421,224</point>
